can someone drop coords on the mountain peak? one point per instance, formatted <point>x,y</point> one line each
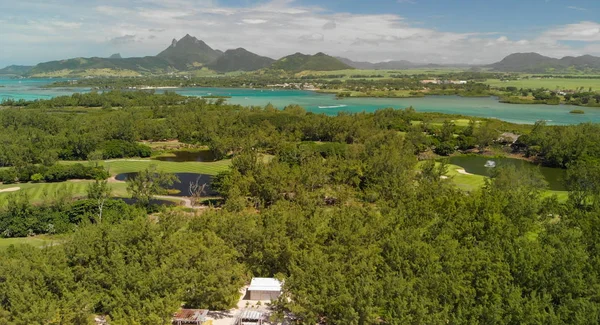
<point>189,52</point>
<point>115,56</point>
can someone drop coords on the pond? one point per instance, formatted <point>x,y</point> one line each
<point>183,187</point>
<point>477,165</point>
<point>185,155</point>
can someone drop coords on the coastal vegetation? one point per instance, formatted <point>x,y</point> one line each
<point>392,84</point>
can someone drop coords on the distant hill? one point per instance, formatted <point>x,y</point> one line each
<point>302,62</point>
<point>15,70</point>
<point>189,52</point>
<point>357,64</point>
<point>536,63</point>
<point>115,56</point>
<point>387,65</point>
<point>149,64</point>
<point>239,60</point>
<point>398,65</point>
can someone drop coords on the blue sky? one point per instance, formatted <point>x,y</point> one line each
<point>439,31</point>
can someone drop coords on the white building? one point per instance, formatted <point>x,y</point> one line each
<point>264,289</point>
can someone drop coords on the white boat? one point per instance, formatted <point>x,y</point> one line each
<point>490,164</point>
<point>333,106</point>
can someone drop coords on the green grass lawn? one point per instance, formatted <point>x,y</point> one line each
<point>127,166</point>
<point>38,192</point>
<point>547,83</point>
<point>473,182</point>
<point>38,241</point>
<point>465,182</point>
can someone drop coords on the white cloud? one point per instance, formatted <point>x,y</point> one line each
<point>586,31</point>
<point>66,24</point>
<point>576,8</point>
<point>254,21</point>
<point>276,28</point>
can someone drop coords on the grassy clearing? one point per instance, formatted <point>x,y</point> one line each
<point>470,182</point>
<point>89,72</point>
<point>385,73</point>
<point>457,122</point>
<point>38,241</point>
<point>127,166</point>
<point>547,83</point>
<point>39,192</point>
<point>465,182</point>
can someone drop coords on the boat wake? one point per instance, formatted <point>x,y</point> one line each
<point>333,106</point>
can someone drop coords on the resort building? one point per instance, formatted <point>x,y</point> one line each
<point>264,289</point>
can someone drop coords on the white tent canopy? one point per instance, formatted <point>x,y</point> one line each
<point>264,289</point>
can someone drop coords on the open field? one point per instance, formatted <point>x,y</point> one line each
<point>90,72</point>
<point>547,83</point>
<point>470,182</point>
<point>120,166</point>
<point>38,241</point>
<point>127,166</point>
<point>37,192</point>
<point>384,73</point>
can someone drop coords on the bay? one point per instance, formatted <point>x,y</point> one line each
<point>488,107</point>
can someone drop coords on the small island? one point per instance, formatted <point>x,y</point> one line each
<point>577,111</point>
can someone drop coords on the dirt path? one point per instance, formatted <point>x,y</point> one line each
<point>187,202</point>
<point>10,189</point>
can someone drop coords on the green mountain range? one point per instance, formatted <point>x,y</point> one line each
<point>536,63</point>
<point>186,54</point>
<point>303,62</point>
<point>15,70</point>
<point>149,64</point>
<point>239,60</point>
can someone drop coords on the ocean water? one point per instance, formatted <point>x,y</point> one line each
<point>482,106</point>
<point>30,89</point>
<point>489,107</point>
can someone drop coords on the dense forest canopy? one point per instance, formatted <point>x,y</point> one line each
<point>361,231</point>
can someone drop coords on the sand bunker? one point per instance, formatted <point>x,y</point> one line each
<point>10,189</point>
<point>462,171</point>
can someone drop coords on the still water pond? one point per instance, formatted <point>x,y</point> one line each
<point>183,187</point>
<point>476,165</point>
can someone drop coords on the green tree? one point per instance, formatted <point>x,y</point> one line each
<point>99,191</point>
<point>149,182</point>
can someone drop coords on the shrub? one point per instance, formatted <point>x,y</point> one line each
<point>37,178</point>
<point>123,149</point>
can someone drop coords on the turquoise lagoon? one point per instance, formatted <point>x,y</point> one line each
<point>488,107</point>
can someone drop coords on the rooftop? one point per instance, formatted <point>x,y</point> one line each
<point>190,315</point>
<point>265,284</point>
